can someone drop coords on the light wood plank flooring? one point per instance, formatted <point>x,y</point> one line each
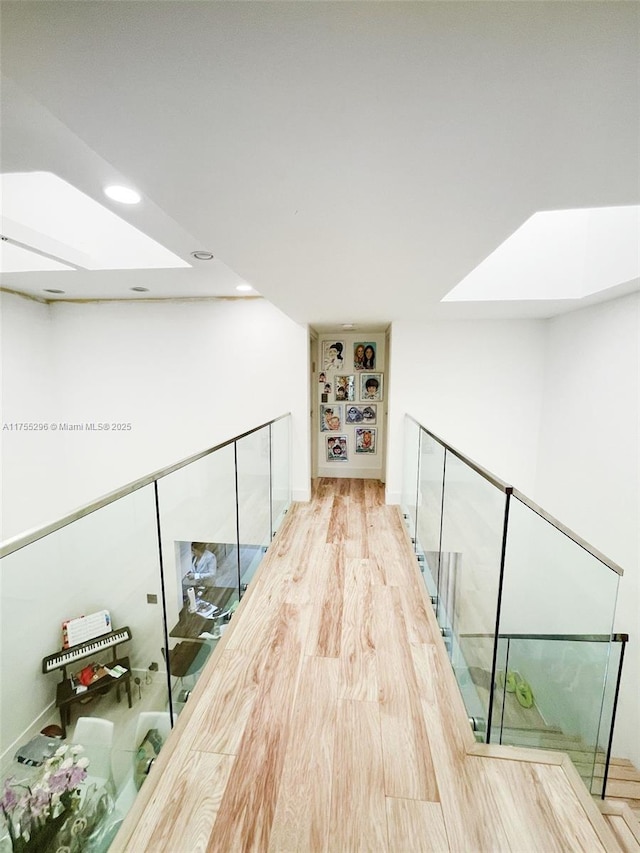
<point>328,718</point>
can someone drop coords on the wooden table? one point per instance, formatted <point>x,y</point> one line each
<point>190,625</point>
<point>189,656</point>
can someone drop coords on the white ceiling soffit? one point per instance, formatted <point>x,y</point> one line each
<point>351,161</point>
<point>44,212</point>
<point>559,254</point>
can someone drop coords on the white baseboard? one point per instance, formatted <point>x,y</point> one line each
<point>357,473</point>
<point>30,731</point>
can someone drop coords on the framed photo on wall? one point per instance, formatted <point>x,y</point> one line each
<point>326,392</point>
<point>331,418</point>
<point>337,448</point>
<point>345,387</point>
<point>332,355</point>
<point>361,414</point>
<point>371,386</point>
<point>366,440</point>
<point>364,355</point>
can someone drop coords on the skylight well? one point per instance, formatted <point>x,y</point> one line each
<point>559,254</point>
<point>51,225</point>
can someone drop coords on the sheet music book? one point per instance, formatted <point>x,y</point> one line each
<point>85,628</point>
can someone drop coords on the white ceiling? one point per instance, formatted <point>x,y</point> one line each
<point>352,161</point>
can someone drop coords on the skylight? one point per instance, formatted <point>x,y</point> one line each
<point>559,254</point>
<point>16,259</point>
<point>44,212</point>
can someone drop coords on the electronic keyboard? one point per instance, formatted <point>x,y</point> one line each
<point>62,659</point>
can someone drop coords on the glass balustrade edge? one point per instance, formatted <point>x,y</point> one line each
<point>614,711</point>
<point>494,661</point>
<point>479,469</point>
<point>163,595</point>
<point>414,532</point>
<point>568,532</point>
<point>271,530</point>
<point>237,497</point>
<point>15,543</point>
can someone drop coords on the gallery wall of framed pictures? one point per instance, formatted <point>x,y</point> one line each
<point>351,388</point>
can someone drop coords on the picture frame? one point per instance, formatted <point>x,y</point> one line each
<point>345,387</point>
<point>332,355</point>
<point>364,355</point>
<point>337,450</point>
<point>331,417</point>
<point>326,392</point>
<point>371,387</point>
<point>366,440</point>
<point>363,415</point>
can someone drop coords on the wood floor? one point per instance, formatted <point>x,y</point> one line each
<point>328,718</point>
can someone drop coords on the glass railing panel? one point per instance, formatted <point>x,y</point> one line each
<point>197,510</point>
<point>410,463</point>
<point>552,693</point>
<point>254,509</point>
<point>468,579</point>
<point>105,561</point>
<point>429,510</point>
<point>280,471</point>
<point>553,586</point>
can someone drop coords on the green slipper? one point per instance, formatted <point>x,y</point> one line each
<point>511,682</point>
<point>524,694</point>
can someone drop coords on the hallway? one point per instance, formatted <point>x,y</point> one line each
<point>328,718</point>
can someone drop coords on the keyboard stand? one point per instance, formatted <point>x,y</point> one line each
<point>66,696</point>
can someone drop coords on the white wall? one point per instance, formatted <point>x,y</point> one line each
<point>476,385</point>
<point>589,462</point>
<point>27,394</point>
<point>185,375</point>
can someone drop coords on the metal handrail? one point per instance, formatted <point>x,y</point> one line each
<point>15,543</point>
<point>506,488</point>
<point>496,481</point>
<point>578,638</point>
<point>568,532</point>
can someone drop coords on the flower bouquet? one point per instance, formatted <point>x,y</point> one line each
<point>51,813</point>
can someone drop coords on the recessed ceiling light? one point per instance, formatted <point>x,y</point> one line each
<point>243,288</point>
<point>124,195</point>
<point>202,256</point>
<point>348,326</point>
<point>52,290</point>
<point>140,289</point>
